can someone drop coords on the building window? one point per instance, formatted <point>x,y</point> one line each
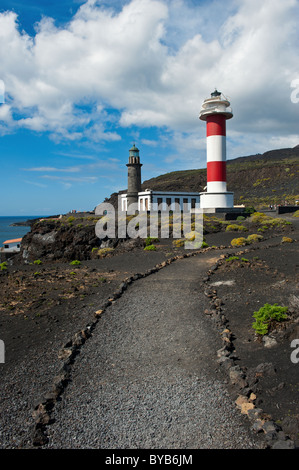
<point>159,201</point>
<point>185,201</point>
<point>193,203</point>
<point>168,201</point>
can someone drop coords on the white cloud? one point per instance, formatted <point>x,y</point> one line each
<point>154,61</point>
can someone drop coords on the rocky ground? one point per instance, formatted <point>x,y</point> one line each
<point>43,306</point>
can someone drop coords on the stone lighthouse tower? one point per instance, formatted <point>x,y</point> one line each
<point>215,111</point>
<point>134,176</point>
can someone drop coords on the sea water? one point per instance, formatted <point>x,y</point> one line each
<point>8,233</point>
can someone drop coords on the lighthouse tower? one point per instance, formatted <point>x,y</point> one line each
<point>134,176</point>
<point>215,111</point>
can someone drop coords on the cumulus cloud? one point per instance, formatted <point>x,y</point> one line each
<point>154,61</point>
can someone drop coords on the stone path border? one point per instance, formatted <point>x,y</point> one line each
<point>261,423</point>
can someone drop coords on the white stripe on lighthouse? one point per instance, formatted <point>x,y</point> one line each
<point>216,148</point>
<point>216,186</point>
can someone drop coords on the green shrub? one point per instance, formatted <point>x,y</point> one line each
<point>241,217</point>
<point>271,222</point>
<point>232,258</point>
<point>150,240</point>
<point>76,262</point>
<point>3,266</point>
<point>70,219</point>
<point>236,228</point>
<point>254,238</point>
<point>37,261</point>
<point>266,314</point>
<point>105,251</point>
<point>150,248</point>
<point>296,214</point>
<point>239,241</point>
<point>249,210</point>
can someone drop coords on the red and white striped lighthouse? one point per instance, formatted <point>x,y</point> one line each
<point>215,111</point>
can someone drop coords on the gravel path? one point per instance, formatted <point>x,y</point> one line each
<point>148,377</point>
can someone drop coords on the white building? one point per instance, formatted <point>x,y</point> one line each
<point>11,246</point>
<point>150,200</point>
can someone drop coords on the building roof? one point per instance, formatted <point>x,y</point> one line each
<point>15,240</point>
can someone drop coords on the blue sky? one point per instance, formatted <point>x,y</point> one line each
<point>84,80</point>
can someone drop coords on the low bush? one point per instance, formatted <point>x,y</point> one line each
<point>75,262</point>
<point>271,222</point>
<point>286,240</point>
<point>236,228</point>
<point>37,261</point>
<point>105,251</point>
<point>254,238</point>
<point>239,241</point>
<point>150,248</point>
<point>3,266</point>
<point>267,314</point>
<point>150,240</point>
<point>232,258</point>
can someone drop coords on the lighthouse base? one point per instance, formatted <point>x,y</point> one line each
<point>216,200</point>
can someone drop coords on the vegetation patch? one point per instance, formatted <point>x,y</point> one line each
<point>241,241</point>
<point>287,240</point>
<point>3,266</point>
<point>266,316</point>
<point>150,240</point>
<point>236,228</point>
<point>232,258</point>
<point>254,238</point>
<point>102,252</point>
<point>266,220</point>
<point>75,262</point>
<point>150,248</point>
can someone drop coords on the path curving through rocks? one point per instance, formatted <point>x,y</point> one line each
<point>148,378</point>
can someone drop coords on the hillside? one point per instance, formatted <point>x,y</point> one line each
<point>261,179</point>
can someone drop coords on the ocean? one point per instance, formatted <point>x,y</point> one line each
<point>7,232</point>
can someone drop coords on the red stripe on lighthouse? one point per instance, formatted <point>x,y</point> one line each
<point>216,125</point>
<point>216,171</point>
